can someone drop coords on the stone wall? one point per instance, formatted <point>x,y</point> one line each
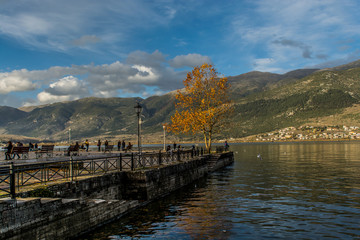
<point>153,183</point>
<point>107,186</point>
<point>223,160</point>
<point>35,218</point>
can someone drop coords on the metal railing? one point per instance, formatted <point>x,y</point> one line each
<point>17,176</point>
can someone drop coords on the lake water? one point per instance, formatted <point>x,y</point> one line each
<point>281,191</point>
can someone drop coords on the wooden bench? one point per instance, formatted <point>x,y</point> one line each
<point>73,150</point>
<point>23,151</point>
<point>48,150</point>
<point>108,148</point>
<point>128,148</point>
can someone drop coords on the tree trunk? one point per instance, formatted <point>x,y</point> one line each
<point>207,140</point>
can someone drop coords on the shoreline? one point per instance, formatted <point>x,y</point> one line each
<point>160,145</point>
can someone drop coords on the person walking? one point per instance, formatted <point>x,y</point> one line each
<point>129,147</point>
<point>106,144</point>
<point>119,145</point>
<point>99,145</point>
<point>226,146</point>
<point>87,145</point>
<point>123,145</point>
<point>9,149</point>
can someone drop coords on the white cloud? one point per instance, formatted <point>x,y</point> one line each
<point>190,60</point>
<point>45,97</point>
<point>141,75</point>
<point>144,75</point>
<point>67,85</point>
<point>65,89</point>
<point>16,81</point>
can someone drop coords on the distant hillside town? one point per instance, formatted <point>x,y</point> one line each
<point>311,133</point>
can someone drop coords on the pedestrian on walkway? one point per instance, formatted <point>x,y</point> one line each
<point>119,145</point>
<point>87,145</point>
<point>99,145</point>
<point>123,145</point>
<point>9,149</point>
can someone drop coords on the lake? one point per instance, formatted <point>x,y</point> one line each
<point>273,190</point>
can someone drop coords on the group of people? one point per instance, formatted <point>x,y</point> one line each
<point>121,145</point>
<point>168,148</point>
<point>175,147</point>
<point>9,154</point>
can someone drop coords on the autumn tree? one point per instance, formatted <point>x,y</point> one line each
<point>203,105</point>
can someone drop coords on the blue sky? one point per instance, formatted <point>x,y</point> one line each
<point>64,50</point>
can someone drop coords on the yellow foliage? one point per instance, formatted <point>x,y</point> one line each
<point>203,105</point>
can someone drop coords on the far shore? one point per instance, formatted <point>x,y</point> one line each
<point>216,142</point>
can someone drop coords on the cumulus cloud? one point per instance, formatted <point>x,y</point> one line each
<point>66,86</point>
<point>190,60</point>
<point>144,75</point>
<point>16,81</point>
<point>141,74</point>
<point>45,97</point>
<point>65,89</point>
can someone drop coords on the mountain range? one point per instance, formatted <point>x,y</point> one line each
<point>263,102</point>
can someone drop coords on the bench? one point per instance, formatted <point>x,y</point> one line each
<point>23,151</point>
<point>128,148</point>
<point>108,148</point>
<point>48,150</point>
<point>73,150</point>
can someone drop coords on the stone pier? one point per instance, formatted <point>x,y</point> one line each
<point>82,205</point>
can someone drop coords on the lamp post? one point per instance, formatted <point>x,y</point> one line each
<point>138,109</point>
<point>69,135</point>
<point>164,127</point>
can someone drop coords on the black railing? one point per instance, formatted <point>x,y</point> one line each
<point>15,177</point>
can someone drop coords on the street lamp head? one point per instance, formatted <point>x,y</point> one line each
<point>138,108</point>
<point>164,127</point>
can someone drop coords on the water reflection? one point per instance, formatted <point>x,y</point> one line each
<point>306,191</point>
